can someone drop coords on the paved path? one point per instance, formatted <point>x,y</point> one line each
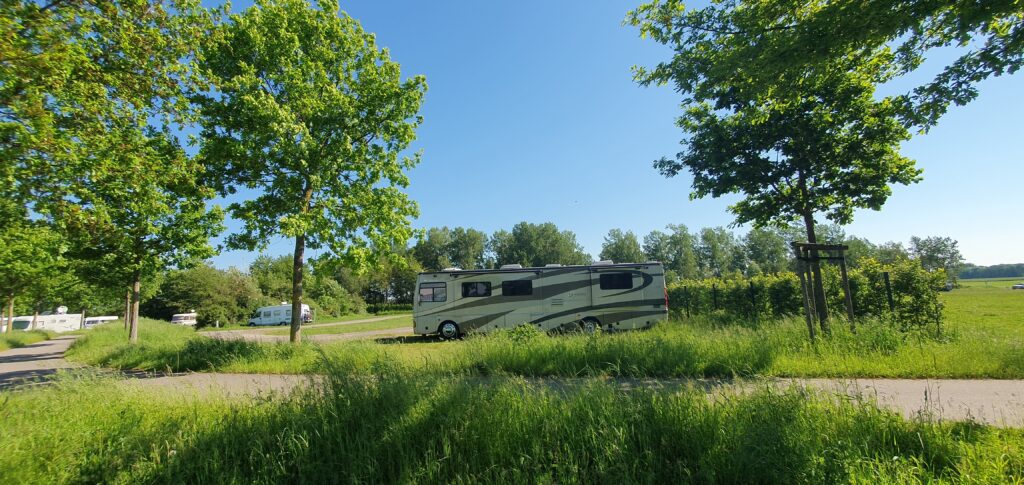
<point>35,361</point>
<point>996,402</point>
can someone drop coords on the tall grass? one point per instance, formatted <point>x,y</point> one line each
<point>697,348</point>
<point>398,427</point>
<point>20,338</point>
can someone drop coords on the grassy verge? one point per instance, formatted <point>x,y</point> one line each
<point>396,428</point>
<point>397,321</point>
<point>981,339</point>
<point>319,321</point>
<point>21,338</point>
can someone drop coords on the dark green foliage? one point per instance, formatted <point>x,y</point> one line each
<point>621,247</point>
<point>994,271</point>
<point>218,296</point>
<point>442,248</point>
<point>536,245</point>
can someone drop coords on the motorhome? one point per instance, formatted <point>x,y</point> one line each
<point>60,322</point>
<point>278,315</point>
<point>603,295</point>
<point>184,319</point>
<point>91,322</point>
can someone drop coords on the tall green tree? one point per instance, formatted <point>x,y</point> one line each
<point>791,38</point>
<point>622,247</point>
<point>676,248</point>
<point>936,252</point>
<point>75,73</point>
<point>536,245</point>
<point>719,252</point>
<point>768,249</point>
<point>441,247</point>
<point>139,211</point>
<point>29,255</point>
<point>305,108</point>
<point>827,148</point>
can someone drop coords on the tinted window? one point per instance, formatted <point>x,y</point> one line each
<point>433,292</point>
<point>477,288</point>
<point>616,281</point>
<point>517,288</point>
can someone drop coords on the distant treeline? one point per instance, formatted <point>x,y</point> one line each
<point>971,271</point>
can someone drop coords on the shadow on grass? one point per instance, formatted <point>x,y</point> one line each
<point>198,354</point>
<point>392,429</point>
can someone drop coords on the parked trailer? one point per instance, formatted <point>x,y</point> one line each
<point>62,322</point>
<point>184,319</point>
<point>603,295</point>
<point>278,315</point>
<point>91,322</point>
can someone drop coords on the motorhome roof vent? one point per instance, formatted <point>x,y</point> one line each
<point>552,265</point>
<point>604,262</point>
<point>511,266</point>
<point>451,269</point>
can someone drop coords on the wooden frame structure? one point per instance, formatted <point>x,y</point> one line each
<point>805,254</point>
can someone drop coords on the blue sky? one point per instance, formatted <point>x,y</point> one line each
<point>533,103</point>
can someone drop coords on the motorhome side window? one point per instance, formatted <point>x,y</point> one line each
<point>477,288</point>
<point>616,281</point>
<point>517,287</point>
<point>433,292</point>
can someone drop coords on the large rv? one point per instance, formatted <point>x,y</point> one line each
<point>603,295</point>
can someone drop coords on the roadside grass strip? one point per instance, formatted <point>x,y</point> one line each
<point>399,427</point>
<point>20,338</point>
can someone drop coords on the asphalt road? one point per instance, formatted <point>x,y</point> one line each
<point>995,402</point>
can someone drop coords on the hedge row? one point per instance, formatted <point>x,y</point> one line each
<point>915,293</point>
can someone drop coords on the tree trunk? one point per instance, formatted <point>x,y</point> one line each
<point>818,284</point>
<point>297,264</point>
<point>127,308</point>
<point>133,329</point>
<point>10,313</point>
<point>35,317</point>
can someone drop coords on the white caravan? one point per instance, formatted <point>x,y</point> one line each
<point>278,315</point>
<point>91,322</point>
<point>184,319</point>
<point>602,295</point>
<point>63,322</point>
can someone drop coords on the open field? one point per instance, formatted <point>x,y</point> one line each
<point>19,338</point>
<point>414,429</point>
<point>983,337</point>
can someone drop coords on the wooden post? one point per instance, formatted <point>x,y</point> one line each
<point>888,291</point>
<point>753,301</point>
<point>847,294</point>
<point>807,304</point>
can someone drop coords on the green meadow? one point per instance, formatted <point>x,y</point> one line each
<point>982,337</point>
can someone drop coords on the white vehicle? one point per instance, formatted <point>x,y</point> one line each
<point>278,315</point>
<point>184,319</point>
<point>93,321</point>
<point>64,322</point>
<point>602,295</point>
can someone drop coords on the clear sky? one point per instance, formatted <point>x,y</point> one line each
<point>532,115</point>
